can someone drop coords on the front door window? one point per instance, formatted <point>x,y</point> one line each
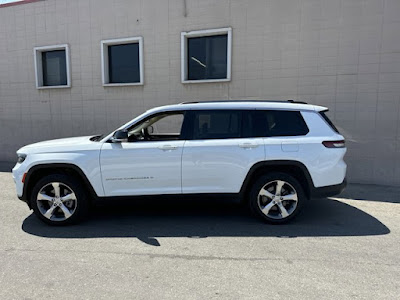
<point>161,127</point>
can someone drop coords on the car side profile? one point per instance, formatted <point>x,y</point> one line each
<point>273,155</point>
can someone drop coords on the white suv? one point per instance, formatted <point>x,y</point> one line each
<point>274,155</point>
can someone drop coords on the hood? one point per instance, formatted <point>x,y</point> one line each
<point>59,145</point>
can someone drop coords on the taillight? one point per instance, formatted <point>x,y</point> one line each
<point>334,144</point>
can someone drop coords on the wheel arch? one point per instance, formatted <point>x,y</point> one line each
<point>292,167</point>
<point>39,171</point>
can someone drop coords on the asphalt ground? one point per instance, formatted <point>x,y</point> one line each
<point>338,248</point>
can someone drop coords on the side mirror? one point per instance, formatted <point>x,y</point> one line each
<point>120,136</point>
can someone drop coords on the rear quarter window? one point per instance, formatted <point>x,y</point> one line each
<point>273,123</point>
<point>285,123</point>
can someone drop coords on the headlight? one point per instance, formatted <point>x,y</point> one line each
<point>21,158</point>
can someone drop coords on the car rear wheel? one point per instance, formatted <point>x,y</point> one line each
<point>59,199</point>
<point>276,198</point>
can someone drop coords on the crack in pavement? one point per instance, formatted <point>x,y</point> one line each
<point>203,257</point>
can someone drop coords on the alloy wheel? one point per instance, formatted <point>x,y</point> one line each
<point>56,201</point>
<point>277,199</point>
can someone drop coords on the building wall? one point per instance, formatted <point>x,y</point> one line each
<point>344,54</point>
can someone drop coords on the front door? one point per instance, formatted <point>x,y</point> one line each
<point>149,163</point>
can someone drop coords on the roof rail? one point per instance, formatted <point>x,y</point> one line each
<point>298,102</point>
<point>224,101</point>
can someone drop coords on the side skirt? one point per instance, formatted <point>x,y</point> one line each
<point>231,197</point>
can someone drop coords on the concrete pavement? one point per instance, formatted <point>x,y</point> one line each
<point>336,249</point>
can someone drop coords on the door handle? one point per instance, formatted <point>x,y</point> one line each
<point>248,145</point>
<point>167,147</point>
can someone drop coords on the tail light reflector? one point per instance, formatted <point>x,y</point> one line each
<point>334,144</point>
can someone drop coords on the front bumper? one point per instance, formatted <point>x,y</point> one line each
<point>18,174</point>
<point>329,191</point>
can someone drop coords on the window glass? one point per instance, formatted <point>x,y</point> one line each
<point>123,63</point>
<point>207,57</point>
<point>160,127</point>
<point>254,124</point>
<point>273,123</point>
<point>216,124</point>
<point>285,123</point>
<point>54,68</point>
<point>169,124</point>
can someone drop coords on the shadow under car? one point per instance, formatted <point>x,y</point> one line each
<point>147,220</point>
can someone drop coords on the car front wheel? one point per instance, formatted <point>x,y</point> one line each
<point>59,199</point>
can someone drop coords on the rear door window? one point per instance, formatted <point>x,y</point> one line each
<point>216,124</point>
<point>254,124</point>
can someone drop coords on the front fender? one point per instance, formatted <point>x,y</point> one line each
<point>86,164</point>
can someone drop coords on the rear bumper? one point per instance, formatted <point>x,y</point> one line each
<point>329,191</point>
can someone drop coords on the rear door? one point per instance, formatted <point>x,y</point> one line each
<point>218,153</point>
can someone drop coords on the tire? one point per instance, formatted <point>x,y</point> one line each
<point>272,206</point>
<point>70,206</point>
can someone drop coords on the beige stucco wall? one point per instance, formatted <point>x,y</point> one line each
<point>344,54</point>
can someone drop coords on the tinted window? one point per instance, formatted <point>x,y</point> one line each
<point>123,63</point>
<point>216,124</point>
<point>285,123</point>
<point>273,123</point>
<point>54,68</point>
<point>254,124</point>
<point>207,57</point>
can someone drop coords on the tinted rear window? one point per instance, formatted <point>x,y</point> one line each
<point>273,123</point>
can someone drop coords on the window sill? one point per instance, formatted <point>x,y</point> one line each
<point>53,87</point>
<point>206,80</point>
<point>122,84</point>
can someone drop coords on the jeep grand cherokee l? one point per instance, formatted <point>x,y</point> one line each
<point>272,154</point>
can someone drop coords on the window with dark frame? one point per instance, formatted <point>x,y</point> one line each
<point>124,63</point>
<point>207,57</point>
<point>285,123</point>
<point>273,123</point>
<point>54,68</point>
<point>218,124</point>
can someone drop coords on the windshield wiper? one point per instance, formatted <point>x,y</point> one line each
<point>97,138</point>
